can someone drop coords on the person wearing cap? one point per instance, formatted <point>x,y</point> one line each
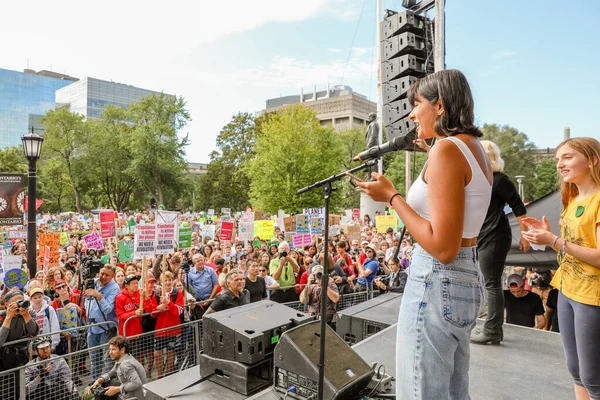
<point>65,298</point>
<point>16,323</point>
<point>45,315</point>
<point>284,268</point>
<point>311,294</point>
<point>48,376</point>
<point>127,306</point>
<point>367,271</point>
<point>522,306</point>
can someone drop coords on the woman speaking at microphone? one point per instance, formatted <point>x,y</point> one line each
<point>444,212</point>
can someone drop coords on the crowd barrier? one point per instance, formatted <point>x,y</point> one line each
<point>161,352</point>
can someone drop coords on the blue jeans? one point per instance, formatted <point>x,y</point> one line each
<point>438,311</point>
<point>97,356</point>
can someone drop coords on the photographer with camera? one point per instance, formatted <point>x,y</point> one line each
<point>100,295</point>
<point>17,323</point>
<point>126,378</point>
<point>284,269</point>
<point>311,294</point>
<point>395,281</point>
<point>48,377</point>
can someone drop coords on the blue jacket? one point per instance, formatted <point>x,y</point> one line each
<point>109,293</point>
<point>373,265</point>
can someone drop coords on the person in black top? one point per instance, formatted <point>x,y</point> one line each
<point>522,306</point>
<point>395,281</point>
<point>552,311</point>
<point>255,284</point>
<point>493,244</point>
<point>234,296</point>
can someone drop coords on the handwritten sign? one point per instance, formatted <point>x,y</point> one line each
<point>144,241</point>
<point>290,224</point>
<point>353,233</point>
<point>93,241</point>
<point>107,224</point>
<point>52,240</point>
<point>302,240</point>
<point>383,222</point>
<point>302,223</point>
<point>226,231</point>
<point>125,250</point>
<point>165,238</point>
<point>264,229</point>
<point>67,318</point>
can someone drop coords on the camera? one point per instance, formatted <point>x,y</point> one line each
<point>23,303</point>
<point>318,275</point>
<point>90,267</point>
<point>380,259</point>
<point>187,262</point>
<point>283,254</point>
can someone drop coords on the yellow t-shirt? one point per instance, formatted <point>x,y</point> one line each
<point>576,279</point>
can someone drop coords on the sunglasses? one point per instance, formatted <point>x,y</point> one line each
<point>369,251</point>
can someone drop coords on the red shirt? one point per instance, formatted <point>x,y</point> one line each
<point>169,318</point>
<point>126,304</point>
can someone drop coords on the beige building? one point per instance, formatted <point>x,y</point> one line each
<point>338,106</point>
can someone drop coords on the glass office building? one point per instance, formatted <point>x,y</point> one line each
<point>24,99</point>
<point>89,96</point>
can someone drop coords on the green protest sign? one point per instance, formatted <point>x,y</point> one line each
<point>185,238</point>
<point>125,250</point>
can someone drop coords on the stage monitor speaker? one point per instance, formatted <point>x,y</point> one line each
<point>296,361</point>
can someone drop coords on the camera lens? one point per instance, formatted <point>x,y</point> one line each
<point>319,275</point>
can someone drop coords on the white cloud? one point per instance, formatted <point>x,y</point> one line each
<point>335,51</point>
<point>503,54</point>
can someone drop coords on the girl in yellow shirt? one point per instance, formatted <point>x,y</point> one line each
<point>578,275</point>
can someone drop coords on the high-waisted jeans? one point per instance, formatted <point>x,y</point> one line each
<point>439,308</point>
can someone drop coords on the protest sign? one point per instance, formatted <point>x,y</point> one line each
<point>52,240</point>
<point>12,189</point>
<point>356,213</point>
<point>64,238</point>
<point>314,212</point>
<point>316,226</point>
<point>246,230</point>
<point>46,258</point>
<point>185,238</point>
<point>290,224</point>
<point>289,237</point>
<point>197,227</point>
<point>395,214</point>
<point>169,217</point>
<point>165,238</point>
<point>302,240</point>
<point>94,241</point>
<point>226,212</point>
<point>345,220</point>
<point>302,223</point>
<point>334,220</point>
<point>383,222</point>
<point>226,231</point>
<point>125,250</point>
<point>17,234</point>
<point>247,216</point>
<point>264,229</point>
<point>15,278</point>
<point>208,231</point>
<point>11,262</point>
<point>4,238</point>
<point>334,230</point>
<point>144,241</point>
<point>67,318</point>
<point>353,233</point>
<point>107,224</point>
<point>258,215</point>
<point>211,211</point>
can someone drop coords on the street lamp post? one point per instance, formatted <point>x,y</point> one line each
<point>32,146</point>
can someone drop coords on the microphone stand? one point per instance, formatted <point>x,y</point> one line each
<point>325,185</point>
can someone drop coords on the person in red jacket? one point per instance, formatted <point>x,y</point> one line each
<point>127,305</point>
<point>171,306</point>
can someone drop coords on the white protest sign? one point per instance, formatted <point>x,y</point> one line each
<point>165,238</point>
<point>17,234</point>
<point>144,244</point>
<point>211,211</point>
<point>246,230</point>
<point>11,262</point>
<point>314,212</point>
<point>168,217</point>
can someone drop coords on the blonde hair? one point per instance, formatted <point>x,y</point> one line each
<point>493,152</point>
<point>590,148</point>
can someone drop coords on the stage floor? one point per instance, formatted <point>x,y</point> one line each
<point>528,365</point>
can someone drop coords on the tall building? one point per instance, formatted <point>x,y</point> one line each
<point>338,106</point>
<point>24,99</point>
<point>90,95</point>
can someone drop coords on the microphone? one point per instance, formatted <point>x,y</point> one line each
<point>398,143</point>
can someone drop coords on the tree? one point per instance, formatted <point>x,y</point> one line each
<point>396,171</point>
<point>353,142</point>
<point>157,152</point>
<point>55,187</point>
<point>12,160</point>
<point>546,178</point>
<point>65,138</point>
<point>292,151</point>
<point>225,183</point>
<point>518,154</point>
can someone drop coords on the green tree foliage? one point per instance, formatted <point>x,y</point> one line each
<point>12,160</point>
<point>64,138</point>
<point>547,178</point>
<point>157,152</point>
<point>54,186</point>
<point>226,183</point>
<point>353,142</point>
<point>518,154</point>
<point>396,171</point>
<point>292,151</point>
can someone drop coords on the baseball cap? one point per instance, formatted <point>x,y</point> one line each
<point>514,278</point>
<point>151,277</point>
<point>372,247</point>
<point>35,291</point>
<point>131,277</point>
<point>364,242</point>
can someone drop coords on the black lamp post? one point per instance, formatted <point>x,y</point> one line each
<point>32,145</point>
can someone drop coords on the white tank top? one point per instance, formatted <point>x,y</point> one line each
<point>477,194</point>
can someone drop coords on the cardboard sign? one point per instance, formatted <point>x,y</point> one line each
<point>353,233</point>
<point>185,238</point>
<point>302,240</point>
<point>94,241</point>
<point>125,250</point>
<point>107,224</point>
<point>289,237</point>
<point>383,222</point>
<point>316,226</point>
<point>52,240</point>
<point>334,220</point>
<point>356,213</point>
<point>345,220</point>
<point>226,231</point>
<point>144,241</point>
<point>264,229</point>
<point>290,224</point>
<point>165,238</point>
<point>247,216</point>
<point>258,215</point>
<point>246,230</point>
<point>302,223</point>
<point>11,262</point>
<point>67,318</point>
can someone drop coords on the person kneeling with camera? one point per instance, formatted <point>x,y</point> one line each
<point>48,376</point>
<point>311,294</point>
<point>126,378</point>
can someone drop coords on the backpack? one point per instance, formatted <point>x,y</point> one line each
<point>174,294</point>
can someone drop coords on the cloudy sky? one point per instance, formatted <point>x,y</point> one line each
<point>531,64</point>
